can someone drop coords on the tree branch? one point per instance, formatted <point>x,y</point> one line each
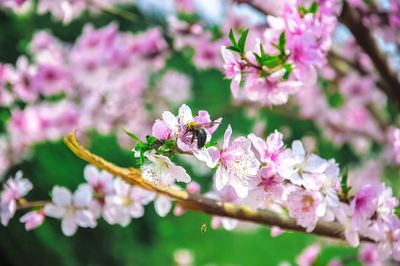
<point>351,18</point>
<point>200,203</point>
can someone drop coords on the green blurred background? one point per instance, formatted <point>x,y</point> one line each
<point>150,240</point>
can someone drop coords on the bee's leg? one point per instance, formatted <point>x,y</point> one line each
<point>194,135</point>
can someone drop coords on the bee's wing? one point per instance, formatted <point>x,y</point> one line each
<point>206,125</point>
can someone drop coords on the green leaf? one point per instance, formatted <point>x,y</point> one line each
<point>190,18</point>
<point>232,38</point>
<point>233,48</point>
<point>211,144</point>
<point>314,8</point>
<point>216,33</point>
<point>151,139</point>
<point>282,43</point>
<point>271,61</point>
<point>258,59</point>
<point>343,182</point>
<point>397,211</point>
<point>336,100</point>
<point>133,136</point>
<point>142,156</point>
<point>288,69</point>
<point>302,10</point>
<point>242,41</point>
<point>262,51</point>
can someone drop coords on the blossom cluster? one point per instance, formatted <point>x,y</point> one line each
<point>259,173</point>
<point>64,11</point>
<point>268,175</point>
<point>105,79</point>
<point>285,57</point>
<point>102,195</point>
<point>102,82</point>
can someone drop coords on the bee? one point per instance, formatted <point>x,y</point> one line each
<point>199,132</point>
<point>203,228</point>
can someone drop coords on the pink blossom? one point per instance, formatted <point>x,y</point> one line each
<point>300,168</point>
<point>45,121</point>
<point>12,4</point>
<point>151,46</point>
<point>233,67</point>
<point>369,172</point>
<point>369,255</point>
<point>6,76</point>
<point>33,219</point>
<point>183,257</point>
<point>309,255</point>
<point>193,187</point>
<point>329,185</point>
<point>365,203</point>
<point>237,165</point>
<point>267,187</point>
<point>303,52</point>
<point>178,126</point>
<point>127,202</point>
<point>52,80</point>
<point>162,205</point>
<point>206,54</point>
<point>160,169</point>
<point>65,11</point>
<point>174,87</point>
<point>302,205</point>
<point>271,90</point>
<point>359,88</point>
<point>101,183</point>
<point>48,50</point>
<point>343,214</point>
<point>335,262</point>
<point>269,150</point>
<point>187,6</point>
<point>73,209</point>
<point>161,130</point>
<point>25,86</point>
<point>14,189</point>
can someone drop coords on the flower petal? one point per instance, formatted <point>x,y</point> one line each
<point>61,196</point>
<point>162,205</point>
<point>54,211</point>
<point>69,226</point>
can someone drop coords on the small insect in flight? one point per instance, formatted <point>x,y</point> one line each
<point>199,132</point>
<point>203,228</point>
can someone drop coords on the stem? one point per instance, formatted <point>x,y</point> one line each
<point>201,203</point>
<point>25,204</point>
<point>113,10</point>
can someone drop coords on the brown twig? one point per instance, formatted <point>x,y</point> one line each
<point>352,19</point>
<point>25,204</point>
<point>199,202</point>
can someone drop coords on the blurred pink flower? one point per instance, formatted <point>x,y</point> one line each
<point>33,219</point>
<point>309,255</point>
<point>14,189</point>
<point>73,209</point>
<point>127,202</point>
<point>302,205</point>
